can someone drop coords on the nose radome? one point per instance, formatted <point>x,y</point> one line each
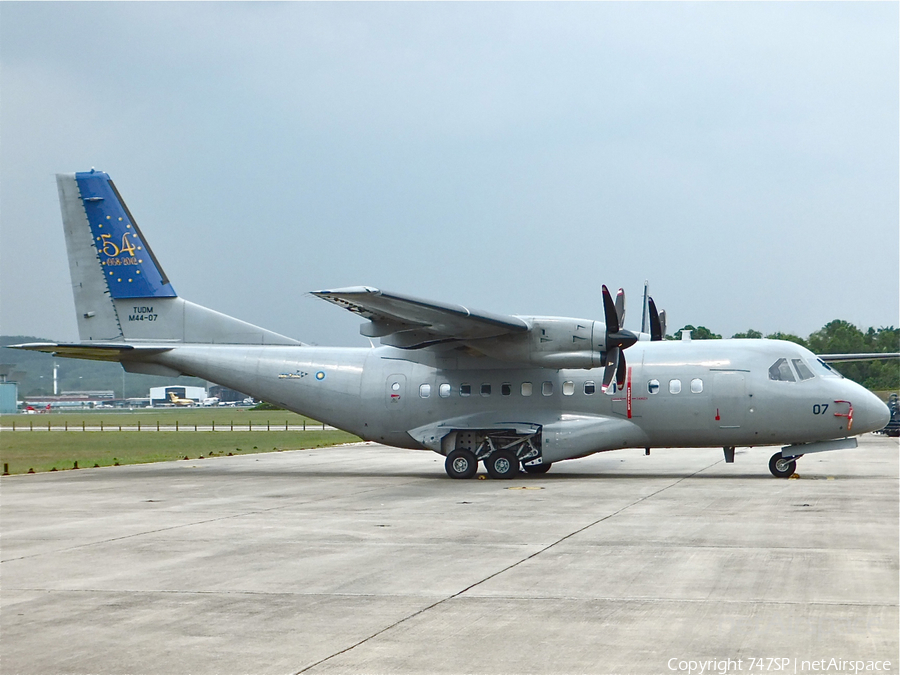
<point>874,414</point>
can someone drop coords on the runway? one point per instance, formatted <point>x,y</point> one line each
<point>368,559</point>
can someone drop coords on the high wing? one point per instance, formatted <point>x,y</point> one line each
<point>411,323</point>
<point>841,358</point>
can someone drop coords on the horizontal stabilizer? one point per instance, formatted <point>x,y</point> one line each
<point>95,351</point>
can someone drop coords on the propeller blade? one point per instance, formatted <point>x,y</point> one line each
<point>609,312</point>
<point>662,324</point>
<point>609,368</point>
<point>655,326</point>
<point>620,307</point>
<point>621,370</point>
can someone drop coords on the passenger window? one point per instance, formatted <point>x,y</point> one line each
<point>485,390</point>
<point>547,388</point>
<point>674,386</point>
<point>696,385</point>
<point>465,390</point>
<point>589,388</point>
<point>526,389</point>
<point>781,371</point>
<point>802,370</point>
<point>505,389</point>
<point>653,386</point>
<point>425,390</point>
<point>568,388</point>
<point>444,390</point>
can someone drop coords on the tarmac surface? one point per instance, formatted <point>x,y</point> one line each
<point>367,559</point>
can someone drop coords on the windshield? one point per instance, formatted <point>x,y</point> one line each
<point>823,369</point>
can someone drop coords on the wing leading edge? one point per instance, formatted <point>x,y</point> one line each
<point>411,323</point>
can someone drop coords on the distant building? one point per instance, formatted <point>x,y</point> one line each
<point>160,395</point>
<point>226,395</point>
<point>72,399</point>
<point>9,392</point>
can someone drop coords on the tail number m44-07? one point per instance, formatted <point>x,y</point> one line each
<point>142,314</point>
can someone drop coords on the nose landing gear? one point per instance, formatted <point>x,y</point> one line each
<point>782,467</point>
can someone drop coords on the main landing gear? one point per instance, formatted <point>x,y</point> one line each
<point>782,467</point>
<point>461,464</point>
<point>503,452</point>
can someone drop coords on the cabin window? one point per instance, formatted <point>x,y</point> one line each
<point>653,387</point>
<point>485,390</point>
<point>780,371</point>
<point>465,389</point>
<point>802,370</point>
<point>505,389</point>
<point>696,386</point>
<point>425,390</point>
<point>444,390</point>
<point>674,386</point>
<point>527,388</point>
<point>547,388</point>
<point>589,387</point>
<point>568,388</point>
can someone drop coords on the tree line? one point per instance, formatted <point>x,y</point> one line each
<point>836,337</point>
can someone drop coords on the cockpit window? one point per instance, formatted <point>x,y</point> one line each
<point>802,370</point>
<point>781,371</point>
<point>824,369</point>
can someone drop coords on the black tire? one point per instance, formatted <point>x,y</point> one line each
<point>502,465</point>
<point>782,467</point>
<point>537,468</point>
<point>461,464</point>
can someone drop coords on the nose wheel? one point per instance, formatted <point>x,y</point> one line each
<point>782,467</point>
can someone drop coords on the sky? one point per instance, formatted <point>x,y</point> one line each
<point>511,157</point>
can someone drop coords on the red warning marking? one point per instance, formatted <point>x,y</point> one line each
<point>717,415</point>
<point>628,393</point>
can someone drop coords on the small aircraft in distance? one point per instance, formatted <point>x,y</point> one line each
<point>175,399</point>
<point>510,392</point>
<point>210,401</point>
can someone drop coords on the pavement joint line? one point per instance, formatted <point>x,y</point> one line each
<point>530,598</point>
<point>198,522</point>
<point>505,569</point>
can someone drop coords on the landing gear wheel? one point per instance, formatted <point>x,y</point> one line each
<point>502,464</point>
<point>461,464</point>
<point>781,467</point>
<point>537,468</point>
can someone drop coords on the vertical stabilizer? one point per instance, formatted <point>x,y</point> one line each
<point>121,291</point>
<point>96,314</point>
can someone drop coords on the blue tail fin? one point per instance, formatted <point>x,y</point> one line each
<point>130,268</point>
<point>121,293</point>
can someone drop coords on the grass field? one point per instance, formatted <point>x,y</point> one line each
<point>186,417</point>
<point>60,450</point>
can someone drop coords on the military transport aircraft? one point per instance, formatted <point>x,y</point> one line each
<point>507,391</point>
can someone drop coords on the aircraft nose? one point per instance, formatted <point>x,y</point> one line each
<point>873,414</point>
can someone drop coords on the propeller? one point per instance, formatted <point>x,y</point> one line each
<point>657,322</point>
<point>617,339</point>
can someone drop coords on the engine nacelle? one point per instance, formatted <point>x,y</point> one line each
<point>552,342</point>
